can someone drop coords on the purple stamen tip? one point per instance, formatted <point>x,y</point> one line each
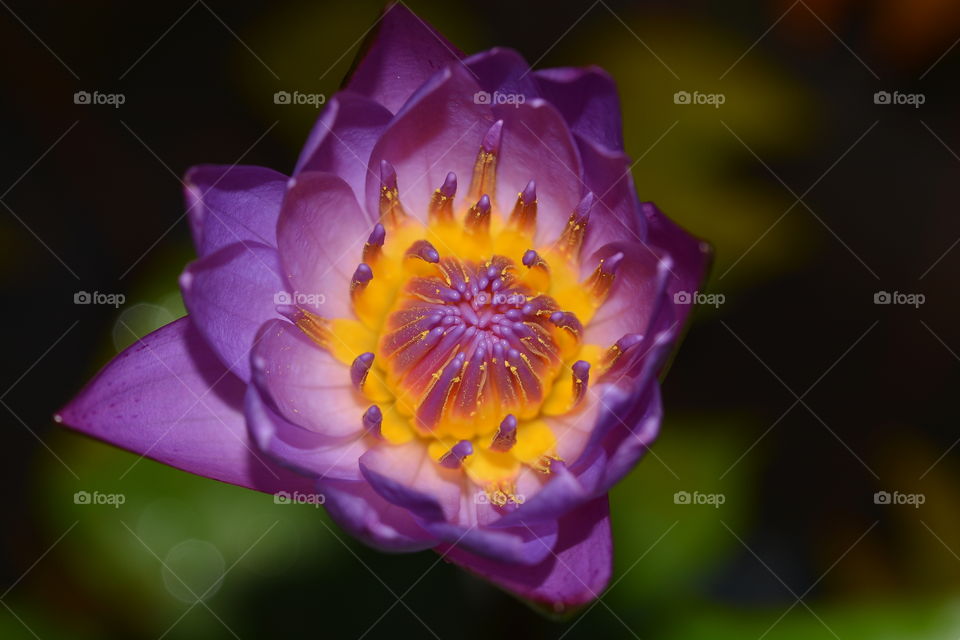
<point>530,258</point>
<point>628,341</point>
<point>360,368</point>
<point>506,435</point>
<point>363,274</point>
<point>388,175</point>
<point>483,205</point>
<point>491,141</point>
<point>529,193</point>
<point>586,204</point>
<point>509,424</point>
<point>372,419</point>
<point>557,317</point>
<point>455,457</point>
<point>611,264</point>
<point>449,186</point>
<point>377,236</point>
<point>581,370</point>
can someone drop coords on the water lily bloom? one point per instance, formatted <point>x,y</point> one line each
<point>449,321</point>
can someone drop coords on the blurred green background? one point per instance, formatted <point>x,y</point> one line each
<point>796,400</point>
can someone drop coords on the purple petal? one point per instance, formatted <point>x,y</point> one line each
<point>438,131</point>
<point>356,507</point>
<point>617,214</point>
<point>230,294</point>
<point>587,98</point>
<point>320,235</point>
<point>304,383</point>
<point>403,53</point>
<point>538,145</point>
<point>691,256</point>
<point>637,290</point>
<point>405,476</point>
<point>169,398</point>
<point>504,71</point>
<point>576,572</point>
<point>307,452</point>
<point>343,137</point>
<point>227,205</point>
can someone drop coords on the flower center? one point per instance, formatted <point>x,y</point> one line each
<point>469,345</point>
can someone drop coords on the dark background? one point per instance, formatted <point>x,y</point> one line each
<point>796,399</point>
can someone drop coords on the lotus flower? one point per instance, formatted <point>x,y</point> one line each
<point>449,321</point>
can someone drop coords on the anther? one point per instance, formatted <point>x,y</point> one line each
<point>485,168</point>
<point>506,435</point>
<point>374,245</point>
<point>478,217</point>
<point>360,368</point>
<point>581,377</point>
<point>457,454</point>
<point>601,279</point>
<point>362,276</point>
<point>372,420</point>
<point>441,203</point>
<point>390,208</point>
<point>572,237</point>
<point>524,215</point>
<point>423,250</point>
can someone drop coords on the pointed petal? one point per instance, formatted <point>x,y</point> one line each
<point>404,51</point>
<point>343,137</point>
<point>227,205</point>
<point>587,98</point>
<point>576,571</point>
<point>169,398</point>
<point>230,294</point>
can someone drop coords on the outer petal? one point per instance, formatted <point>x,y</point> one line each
<point>587,98</point>
<point>356,507</point>
<point>305,384</point>
<point>320,236</point>
<point>439,130</point>
<point>403,53</point>
<point>406,477</point>
<point>617,215</point>
<point>343,137</point>
<point>233,204</point>
<point>169,398</point>
<point>576,572</point>
<point>691,256</point>
<point>503,71</point>
<point>230,294</point>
